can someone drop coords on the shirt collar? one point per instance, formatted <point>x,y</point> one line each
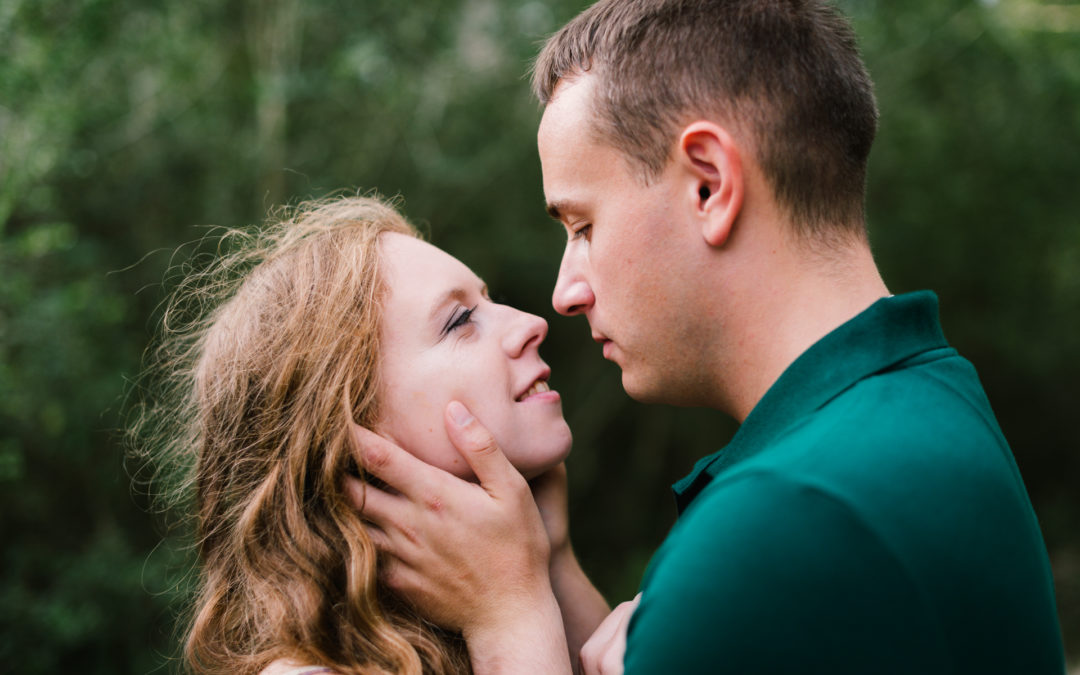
<point>888,332</point>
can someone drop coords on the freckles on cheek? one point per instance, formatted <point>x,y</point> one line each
<point>420,409</point>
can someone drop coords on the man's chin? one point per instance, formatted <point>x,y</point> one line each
<point>657,393</point>
<point>638,390</point>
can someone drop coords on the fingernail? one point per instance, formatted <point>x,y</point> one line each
<point>459,413</point>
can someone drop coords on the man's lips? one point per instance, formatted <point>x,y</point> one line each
<point>605,344</point>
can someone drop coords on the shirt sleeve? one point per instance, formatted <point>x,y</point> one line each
<point>766,575</point>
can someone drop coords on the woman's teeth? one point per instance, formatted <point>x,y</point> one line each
<point>539,387</point>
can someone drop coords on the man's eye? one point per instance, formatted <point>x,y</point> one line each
<point>583,231</point>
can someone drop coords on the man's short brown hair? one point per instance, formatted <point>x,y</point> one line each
<point>786,72</point>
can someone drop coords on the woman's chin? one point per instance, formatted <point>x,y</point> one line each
<point>549,461</point>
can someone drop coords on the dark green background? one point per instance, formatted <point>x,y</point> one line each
<point>125,125</point>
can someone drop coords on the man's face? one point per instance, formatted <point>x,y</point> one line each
<point>630,255</point>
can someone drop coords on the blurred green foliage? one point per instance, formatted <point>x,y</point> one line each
<point>125,124</point>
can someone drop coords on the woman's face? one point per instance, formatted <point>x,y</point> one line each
<point>443,339</point>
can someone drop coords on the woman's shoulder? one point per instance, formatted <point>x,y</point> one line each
<point>286,667</point>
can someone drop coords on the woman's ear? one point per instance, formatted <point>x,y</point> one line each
<point>715,164</point>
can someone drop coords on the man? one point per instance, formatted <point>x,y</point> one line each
<point>707,159</point>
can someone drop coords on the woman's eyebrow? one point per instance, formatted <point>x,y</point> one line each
<point>454,294</point>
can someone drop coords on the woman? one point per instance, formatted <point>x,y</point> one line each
<point>336,313</point>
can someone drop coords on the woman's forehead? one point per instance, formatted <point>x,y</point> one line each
<point>420,273</point>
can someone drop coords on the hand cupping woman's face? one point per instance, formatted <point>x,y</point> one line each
<point>443,339</point>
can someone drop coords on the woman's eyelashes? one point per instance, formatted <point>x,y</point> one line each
<point>458,320</point>
<point>583,231</point>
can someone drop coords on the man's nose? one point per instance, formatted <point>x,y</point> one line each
<point>572,292</point>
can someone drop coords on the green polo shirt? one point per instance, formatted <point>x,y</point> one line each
<point>868,517</point>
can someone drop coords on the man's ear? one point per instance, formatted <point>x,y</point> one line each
<point>712,157</point>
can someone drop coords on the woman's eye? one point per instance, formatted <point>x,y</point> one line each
<point>460,320</point>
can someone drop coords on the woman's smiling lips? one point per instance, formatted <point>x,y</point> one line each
<point>538,388</point>
<point>539,392</point>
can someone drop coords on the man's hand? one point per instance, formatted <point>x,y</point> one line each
<point>603,653</point>
<point>472,557</point>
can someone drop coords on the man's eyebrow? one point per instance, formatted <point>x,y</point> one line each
<point>560,208</point>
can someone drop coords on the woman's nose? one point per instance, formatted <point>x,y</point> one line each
<point>526,332</point>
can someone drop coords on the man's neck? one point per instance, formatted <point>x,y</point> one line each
<point>799,300</point>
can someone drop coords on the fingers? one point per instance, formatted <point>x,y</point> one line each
<point>356,491</point>
<point>390,463</point>
<point>375,505</point>
<point>380,539</point>
<point>594,648</point>
<point>603,653</point>
<point>478,447</point>
<point>613,659</point>
<point>377,508</point>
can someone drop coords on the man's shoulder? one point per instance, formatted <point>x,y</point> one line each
<point>928,390</point>
<point>932,409</point>
<point>896,448</point>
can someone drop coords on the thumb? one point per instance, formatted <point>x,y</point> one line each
<point>477,446</point>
